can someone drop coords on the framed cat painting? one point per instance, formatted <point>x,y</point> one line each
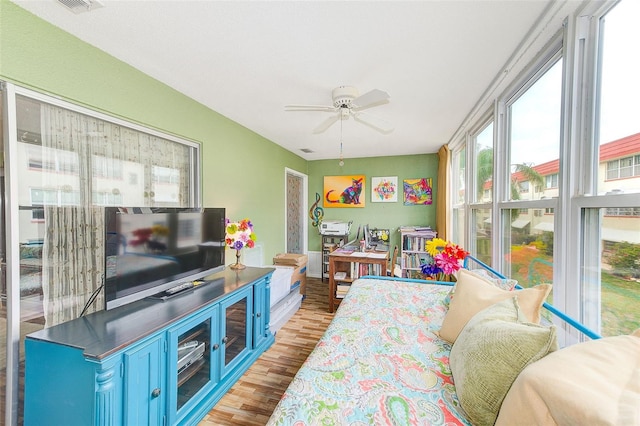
<point>344,191</point>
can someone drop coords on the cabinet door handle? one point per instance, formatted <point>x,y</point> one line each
<point>155,393</point>
<point>216,346</point>
<point>225,340</point>
<point>259,314</point>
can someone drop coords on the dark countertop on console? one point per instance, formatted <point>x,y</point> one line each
<point>103,333</point>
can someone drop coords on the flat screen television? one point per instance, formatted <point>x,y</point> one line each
<point>149,250</point>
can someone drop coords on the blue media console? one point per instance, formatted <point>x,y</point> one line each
<point>151,362</point>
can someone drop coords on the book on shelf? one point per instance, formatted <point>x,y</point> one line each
<point>340,275</point>
<point>361,269</point>
<point>414,260</point>
<point>343,288</point>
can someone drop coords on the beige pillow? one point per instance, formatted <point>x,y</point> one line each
<point>483,274</point>
<point>591,383</point>
<point>473,294</point>
<point>490,352</point>
<point>505,284</point>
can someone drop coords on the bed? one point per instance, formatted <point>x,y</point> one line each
<point>383,360</point>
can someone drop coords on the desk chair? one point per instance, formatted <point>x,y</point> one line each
<point>394,270</point>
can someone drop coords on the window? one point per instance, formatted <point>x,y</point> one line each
<point>37,215</point>
<point>611,254</point>
<point>551,181</point>
<point>591,198</point>
<point>623,168</point>
<point>529,247</point>
<point>623,211</point>
<point>482,227</point>
<point>484,164</point>
<point>458,187</point>
<point>523,186</point>
<point>619,136</point>
<point>107,168</point>
<point>62,165</point>
<point>535,122</point>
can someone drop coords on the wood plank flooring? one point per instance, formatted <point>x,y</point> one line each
<point>255,395</point>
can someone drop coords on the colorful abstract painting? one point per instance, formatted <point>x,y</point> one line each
<point>344,191</point>
<point>418,192</point>
<point>384,189</point>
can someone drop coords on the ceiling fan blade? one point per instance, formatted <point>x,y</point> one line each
<point>379,124</point>
<point>326,124</point>
<point>370,99</point>
<point>324,108</point>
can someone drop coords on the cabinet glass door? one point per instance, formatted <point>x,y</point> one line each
<point>237,328</point>
<point>193,361</point>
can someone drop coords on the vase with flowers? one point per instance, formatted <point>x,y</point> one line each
<point>238,236</point>
<point>443,260</point>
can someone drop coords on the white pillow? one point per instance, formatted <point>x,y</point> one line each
<point>591,383</point>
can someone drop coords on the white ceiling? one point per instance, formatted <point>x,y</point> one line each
<point>248,59</point>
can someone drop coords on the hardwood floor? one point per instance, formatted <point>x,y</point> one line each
<point>253,398</point>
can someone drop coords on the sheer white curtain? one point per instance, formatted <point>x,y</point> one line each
<point>131,147</point>
<point>74,234</point>
<point>89,161</point>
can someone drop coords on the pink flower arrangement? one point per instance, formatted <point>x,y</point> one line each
<point>445,258</point>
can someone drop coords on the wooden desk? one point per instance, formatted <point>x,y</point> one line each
<point>352,266</point>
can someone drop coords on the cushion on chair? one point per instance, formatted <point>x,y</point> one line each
<point>473,293</point>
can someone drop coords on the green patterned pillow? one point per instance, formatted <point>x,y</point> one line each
<point>492,349</point>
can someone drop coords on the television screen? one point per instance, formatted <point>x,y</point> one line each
<point>149,250</point>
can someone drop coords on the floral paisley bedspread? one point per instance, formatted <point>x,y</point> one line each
<point>379,363</point>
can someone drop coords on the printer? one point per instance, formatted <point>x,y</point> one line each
<point>331,227</point>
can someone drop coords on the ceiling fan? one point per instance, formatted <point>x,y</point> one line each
<point>347,102</point>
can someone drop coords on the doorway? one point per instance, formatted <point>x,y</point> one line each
<point>296,220</point>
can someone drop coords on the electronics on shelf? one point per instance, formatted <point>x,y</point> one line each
<point>188,353</point>
<point>331,227</point>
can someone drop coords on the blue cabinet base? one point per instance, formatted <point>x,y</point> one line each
<point>121,366</point>
<point>207,404</point>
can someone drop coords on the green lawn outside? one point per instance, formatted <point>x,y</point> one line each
<point>620,297</point>
<point>620,305</point>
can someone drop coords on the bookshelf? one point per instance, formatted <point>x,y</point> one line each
<point>329,244</point>
<point>346,266</point>
<point>413,241</point>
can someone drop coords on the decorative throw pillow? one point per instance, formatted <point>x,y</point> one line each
<point>590,383</point>
<point>473,294</point>
<point>492,349</point>
<point>505,284</point>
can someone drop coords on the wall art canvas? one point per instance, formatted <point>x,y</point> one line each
<point>418,192</point>
<point>344,191</point>
<point>384,189</point>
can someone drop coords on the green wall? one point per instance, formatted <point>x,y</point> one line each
<point>241,170</point>
<point>376,215</point>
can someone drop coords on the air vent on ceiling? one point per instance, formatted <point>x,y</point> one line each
<point>306,150</point>
<point>79,6</point>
